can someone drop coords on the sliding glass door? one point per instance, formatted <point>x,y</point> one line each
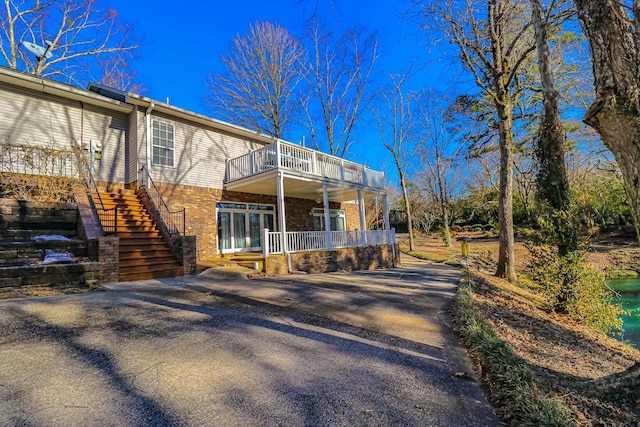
<point>240,225</point>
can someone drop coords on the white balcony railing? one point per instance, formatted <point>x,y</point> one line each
<point>293,157</point>
<point>303,241</point>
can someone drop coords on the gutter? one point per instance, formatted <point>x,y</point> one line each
<point>51,87</point>
<point>147,116</point>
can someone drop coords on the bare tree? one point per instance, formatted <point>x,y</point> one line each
<point>74,32</point>
<point>613,30</point>
<point>337,78</point>
<point>494,39</point>
<point>261,74</point>
<point>439,151</point>
<point>396,123</point>
<point>552,181</point>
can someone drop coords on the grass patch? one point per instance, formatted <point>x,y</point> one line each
<point>425,257</point>
<point>510,379</point>
<point>613,273</point>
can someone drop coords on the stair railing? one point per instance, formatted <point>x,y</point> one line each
<point>174,221</point>
<point>108,217</point>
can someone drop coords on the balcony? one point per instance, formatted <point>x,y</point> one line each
<point>302,161</point>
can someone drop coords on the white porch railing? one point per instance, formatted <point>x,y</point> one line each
<point>303,241</point>
<point>291,156</point>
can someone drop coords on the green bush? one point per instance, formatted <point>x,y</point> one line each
<point>511,381</point>
<point>446,236</point>
<point>570,286</point>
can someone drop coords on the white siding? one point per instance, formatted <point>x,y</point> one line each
<point>111,130</point>
<point>34,118</point>
<point>200,153</point>
<point>31,118</point>
<point>132,156</point>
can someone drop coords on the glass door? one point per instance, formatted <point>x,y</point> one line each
<point>255,230</point>
<point>239,233</point>
<point>240,225</point>
<point>224,231</point>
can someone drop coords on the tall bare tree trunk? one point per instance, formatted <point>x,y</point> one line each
<point>504,107</point>
<point>615,114</point>
<point>506,253</point>
<point>552,182</point>
<point>407,205</point>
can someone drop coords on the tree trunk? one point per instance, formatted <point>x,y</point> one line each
<point>506,253</point>
<point>615,114</point>
<point>445,223</point>
<point>504,107</point>
<point>552,182</point>
<point>408,209</point>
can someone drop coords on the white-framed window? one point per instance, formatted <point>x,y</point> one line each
<point>240,225</point>
<point>337,219</point>
<point>163,143</point>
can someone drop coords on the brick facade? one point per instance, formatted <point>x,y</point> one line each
<point>200,206</point>
<point>109,258</point>
<point>347,259</point>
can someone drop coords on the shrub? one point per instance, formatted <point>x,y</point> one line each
<point>570,286</point>
<point>510,379</point>
<point>446,236</point>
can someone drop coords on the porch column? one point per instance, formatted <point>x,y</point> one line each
<point>281,215</point>
<point>363,219</point>
<point>327,216</point>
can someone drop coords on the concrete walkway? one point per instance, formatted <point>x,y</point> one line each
<point>346,349</point>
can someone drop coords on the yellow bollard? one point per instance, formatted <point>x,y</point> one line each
<point>465,248</point>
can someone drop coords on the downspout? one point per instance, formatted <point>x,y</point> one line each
<point>147,115</point>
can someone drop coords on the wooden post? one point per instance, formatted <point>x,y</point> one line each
<point>327,216</point>
<point>265,242</point>
<point>281,213</point>
<point>363,222</point>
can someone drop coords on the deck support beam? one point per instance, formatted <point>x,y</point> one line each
<point>327,216</point>
<point>363,219</point>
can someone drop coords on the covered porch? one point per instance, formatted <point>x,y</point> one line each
<point>288,171</point>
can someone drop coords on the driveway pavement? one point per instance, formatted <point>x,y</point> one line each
<point>347,349</point>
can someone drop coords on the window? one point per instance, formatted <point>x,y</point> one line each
<point>336,219</point>
<point>163,144</point>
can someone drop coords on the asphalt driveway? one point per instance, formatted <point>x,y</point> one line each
<point>346,349</point>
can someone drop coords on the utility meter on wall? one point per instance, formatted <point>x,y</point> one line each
<point>96,148</point>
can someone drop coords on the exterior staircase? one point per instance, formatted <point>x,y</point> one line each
<point>143,254</point>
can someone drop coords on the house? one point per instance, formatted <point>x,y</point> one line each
<point>234,189</point>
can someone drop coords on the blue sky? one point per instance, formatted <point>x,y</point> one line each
<point>183,43</point>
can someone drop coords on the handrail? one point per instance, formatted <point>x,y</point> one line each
<point>302,241</point>
<point>174,221</point>
<point>108,222</point>
<point>290,156</point>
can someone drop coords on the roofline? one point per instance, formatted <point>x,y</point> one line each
<point>51,87</point>
<point>144,102</point>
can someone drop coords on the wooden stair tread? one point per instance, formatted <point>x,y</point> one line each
<point>142,253</point>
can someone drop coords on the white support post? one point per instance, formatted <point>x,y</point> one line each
<point>278,154</point>
<point>265,242</point>
<point>281,214</point>
<point>342,169</point>
<point>314,163</point>
<point>363,221</point>
<point>251,163</point>
<point>327,216</point>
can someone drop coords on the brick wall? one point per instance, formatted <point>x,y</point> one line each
<point>347,259</point>
<point>200,205</point>
<point>108,258</point>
